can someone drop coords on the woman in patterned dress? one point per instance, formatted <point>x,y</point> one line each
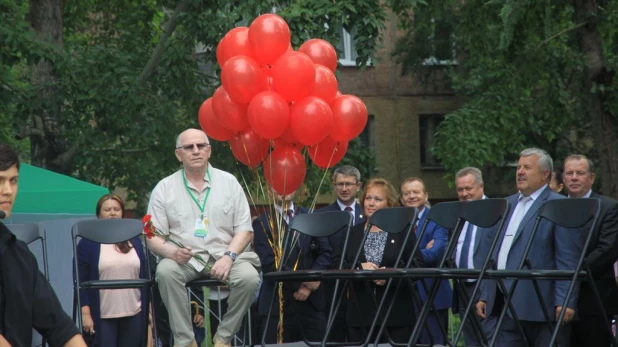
<point>379,251</point>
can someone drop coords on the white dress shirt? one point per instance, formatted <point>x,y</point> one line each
<point>342,207</point>
<point>504,253</point>
<point>460,242</point>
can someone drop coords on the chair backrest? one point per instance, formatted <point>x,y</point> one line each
<point>27,232</point>
<point>107,231</point>
<point>484,213</point>
<point>570,213</point>
<point>394,219</point>
<point>445,214</point>
<point>322,224</point>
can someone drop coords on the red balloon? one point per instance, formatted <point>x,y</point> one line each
<point>242,78</point>
<point>311,120</point>
<point>235,42</point>
<point>268,115</point>
<point>211,125</point>
<point>268,72</point>
<point>294,76</point>
<point>349,117</point>
<point>231,114</point>
<point>321,52</point>
<point>284,169</point>
<point>328,152</point>
<point>281,141</point>
<point>269,37</point>
<point>326,85</point>
<point>289,138</point>
<point>249,148</point>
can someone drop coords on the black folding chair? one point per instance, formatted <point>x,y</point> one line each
<point>567,213</point>
<point>392,220</point>
<point>29,233</point>
<point>482,213</point>
<point>445,215</point>
<point>316,225</point>
<point>108,231</point>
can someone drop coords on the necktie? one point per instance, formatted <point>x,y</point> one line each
<point>465,248</point>
<point>348,208</point>
<point>507,242</point>
<point>289,214</point>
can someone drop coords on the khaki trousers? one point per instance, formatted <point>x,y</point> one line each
<point>172,278</point>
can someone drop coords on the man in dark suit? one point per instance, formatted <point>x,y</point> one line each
<point>433,246</point>
<point>591,327</point>
<point>470,254</point>
<point>303,302</point>
<point>553,248</point>
<point>346,180</point>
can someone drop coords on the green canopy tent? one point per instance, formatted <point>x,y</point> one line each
<point>44,191</point>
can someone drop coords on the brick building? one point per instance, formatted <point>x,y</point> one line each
<point>403,113</point>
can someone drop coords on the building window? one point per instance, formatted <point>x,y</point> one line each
<point>367,137</point>
<point>428,126</point>
<point>442,48</point>
<point>347,49</point>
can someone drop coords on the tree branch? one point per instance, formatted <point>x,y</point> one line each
<point>168,30</point>
<point>65,159</point>
<point>27,132</point>
<point>544,42</point>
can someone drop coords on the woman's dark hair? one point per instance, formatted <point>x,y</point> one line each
<point>8,157</point>
<point>125,246</point>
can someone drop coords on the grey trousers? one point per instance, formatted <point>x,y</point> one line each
<point>488,325</point>
<point>172,278</point>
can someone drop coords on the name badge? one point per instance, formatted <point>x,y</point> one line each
<point>201,227</point>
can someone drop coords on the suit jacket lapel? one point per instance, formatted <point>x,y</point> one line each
<point>390,249</point>
<point>358,213</point>
<point>355,243</point>
<point>477,239</point>
<point>421,220</point>
<point>512,204</point>
<point>532,211</point>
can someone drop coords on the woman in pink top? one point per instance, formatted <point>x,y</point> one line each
<point>116,317</point>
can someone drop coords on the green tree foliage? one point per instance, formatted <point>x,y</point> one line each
<point>127,77</point>
<point>522,69</point>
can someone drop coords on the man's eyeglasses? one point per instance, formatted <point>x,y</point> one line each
<point>200,146</point>
<point>342,185</point>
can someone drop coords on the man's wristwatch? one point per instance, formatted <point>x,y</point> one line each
<point>231,254</point>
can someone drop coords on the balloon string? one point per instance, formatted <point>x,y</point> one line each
<point>315,198</point>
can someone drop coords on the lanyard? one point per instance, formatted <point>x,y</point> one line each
<point>203,206</point>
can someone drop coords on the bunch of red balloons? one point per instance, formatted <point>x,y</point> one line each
<point>274,97</point>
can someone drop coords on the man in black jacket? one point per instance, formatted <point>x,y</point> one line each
<point>27,300</point>
<point>591,327</point>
